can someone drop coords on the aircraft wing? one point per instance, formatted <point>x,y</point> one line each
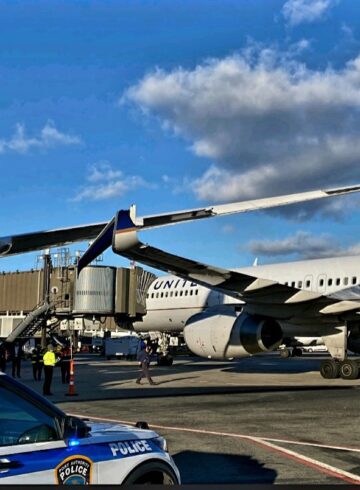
<point>27,242</point>
<point>262,296</point>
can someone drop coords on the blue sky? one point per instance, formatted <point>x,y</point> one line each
<point>173,105</point>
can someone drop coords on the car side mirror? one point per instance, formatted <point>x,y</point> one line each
<point>75,428</point>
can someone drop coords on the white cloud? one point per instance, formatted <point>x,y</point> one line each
<point>269,124</point>
<point>299,11</point>
<point>106,182</point>
<point>49,137</point>
<point>302,245</point>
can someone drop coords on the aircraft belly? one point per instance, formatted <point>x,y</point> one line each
<point>167,320</point>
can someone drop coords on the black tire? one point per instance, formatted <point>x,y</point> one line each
<point>329,369</point>
<point>349,369</point>
<point>152,473</point>
<point>284,354</point>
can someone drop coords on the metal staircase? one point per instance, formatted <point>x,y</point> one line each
<point>31,323</point>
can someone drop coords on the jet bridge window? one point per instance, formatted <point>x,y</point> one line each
<point>354,280</point>
<point>330,282</point>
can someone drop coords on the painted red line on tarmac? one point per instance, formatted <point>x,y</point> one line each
<point>262,442</point>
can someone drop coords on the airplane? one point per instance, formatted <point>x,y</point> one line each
<point>248,310</point>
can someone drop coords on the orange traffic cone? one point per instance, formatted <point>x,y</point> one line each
<point>71,391</point>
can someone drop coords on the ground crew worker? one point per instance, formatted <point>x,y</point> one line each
<point>144,359</point>
<point>65,364</point>
<point>37,363</point>
<point>3,357</point>
<point>49,363</point>
<point>16,356</point>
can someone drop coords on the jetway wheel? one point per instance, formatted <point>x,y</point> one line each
<point>349,369</point>
<point>329,369</point>
<point>165,360</point>
<point>285,353</point>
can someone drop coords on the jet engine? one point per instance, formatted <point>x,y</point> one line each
<point>224,334</point>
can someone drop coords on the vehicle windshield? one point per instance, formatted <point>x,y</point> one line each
<point>23,423</point>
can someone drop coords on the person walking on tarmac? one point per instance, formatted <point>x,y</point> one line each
<point>49,363</point>
<point>144,359</point>
<point>3,357</point>
<point>65,364</point>
<point>37,362</point>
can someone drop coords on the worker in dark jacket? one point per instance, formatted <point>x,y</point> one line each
<point>16,357</point>
<point>144,359</point>
<point>3,357</point>
<point>65,364</point>
<point>37,362</point>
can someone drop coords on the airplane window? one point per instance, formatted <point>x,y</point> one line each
<point>293,284</point>
<point>346,281</point>
<point>152,295</point>
<point>162,295</point>
<point>354,280</point>
<point>329,282</point>
<point>166,294</point>
<point>186,292</point>
<point>176,293</point>
<point>191,292</point>
<point>171,294</point>
<point>308,284</point>
<point>147,296</point>
<point>181,293</point>
<point>286,284</point>
<point>338,281</point>
<point>157,295</point>
<point>197,292</point>
<point>300,284</point>
<point>321,282</point>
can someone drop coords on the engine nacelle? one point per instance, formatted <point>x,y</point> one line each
<point>224,334</point>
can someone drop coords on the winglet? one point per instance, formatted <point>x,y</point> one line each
<point>98,246</point>
<point>125,231</point>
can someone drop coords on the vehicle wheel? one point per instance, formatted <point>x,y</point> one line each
<point>153,472</point>
<point>310,349</point>
<point>329,369</point>
<point>349,369</point>
<point>285,353</point>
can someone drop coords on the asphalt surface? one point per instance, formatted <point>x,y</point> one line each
<point>260,420</point>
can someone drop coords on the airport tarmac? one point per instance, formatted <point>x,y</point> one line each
<point>258,420</point>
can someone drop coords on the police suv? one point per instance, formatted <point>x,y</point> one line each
<point>40,444</point>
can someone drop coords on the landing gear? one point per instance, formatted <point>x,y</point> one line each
<point>349,369</point>
<point>330,369</point>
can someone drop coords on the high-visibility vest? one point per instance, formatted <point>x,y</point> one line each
<point>49,358</point>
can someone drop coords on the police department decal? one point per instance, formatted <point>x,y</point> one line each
<point>76,470</point>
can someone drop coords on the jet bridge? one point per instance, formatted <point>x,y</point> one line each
<point>100,292</point>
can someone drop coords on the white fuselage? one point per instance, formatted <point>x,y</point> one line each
<point>172,301</point>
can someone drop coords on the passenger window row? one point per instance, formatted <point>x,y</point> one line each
<point>346,281</point>
<point>170,294</point>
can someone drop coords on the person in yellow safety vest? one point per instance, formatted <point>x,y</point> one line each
<point>49,363</point>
